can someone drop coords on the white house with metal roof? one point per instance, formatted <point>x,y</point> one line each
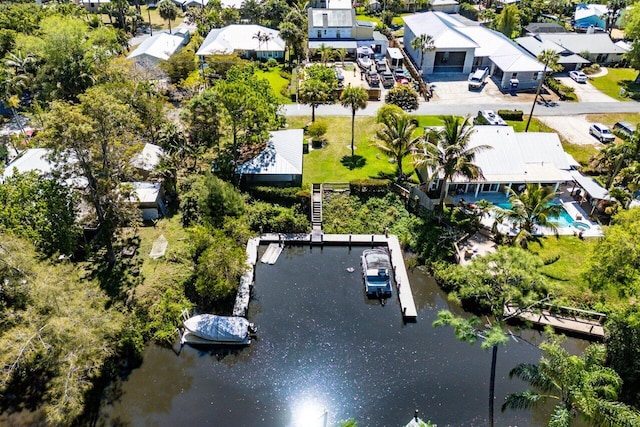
<point>567,59</point>
<point>280,163</point>
<point>461,48</point>
<point>597,47</point>
<point>338,28</point>
<point>514,159</point>
<point>156,48</point>
<point>249,41</point>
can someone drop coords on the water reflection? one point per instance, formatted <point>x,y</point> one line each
<point>322,346</point>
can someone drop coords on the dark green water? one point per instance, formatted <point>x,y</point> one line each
<point>323,346</point>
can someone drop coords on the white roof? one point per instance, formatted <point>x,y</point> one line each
<point>337,18</point>
<point>449,33</point>
<point>226,40</point>
<point>236,4</point>
<point>159,46</point>
<point>577,42</point>
<point>590,186</point>
<point>146,192</point>
<point>33,159</point>
<point>518,156</point>
<point>339,4</point>
<point>443,2</point>
<point>148,158</point>
<point>587,10</point>
<point>283,155</point>
<point>444,30</point>
<point>626,46</point>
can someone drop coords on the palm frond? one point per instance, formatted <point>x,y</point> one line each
<point>615,414</point>
<point>522,400</point>
<point>560,417</point>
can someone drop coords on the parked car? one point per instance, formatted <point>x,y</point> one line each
<point>387,79</point>
<point>339,77</point>
<point>476,79</point>
<point>626,128</point>
<point>602,132</point>
<point>372,78</point>
<point>578,76</point>
<point>489,117</point>
<point>399,73</point>
<point>381,65</point>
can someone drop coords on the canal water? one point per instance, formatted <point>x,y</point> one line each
<point>326,353</point>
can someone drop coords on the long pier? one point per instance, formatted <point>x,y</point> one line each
<point>563,321</point>
<point>405,296</point>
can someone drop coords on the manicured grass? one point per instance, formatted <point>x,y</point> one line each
<point>428,121</point>
<point>616,79</point>
<point>368,18</point>
<point>567,273</point>
<point>156,21</point>
<point>333,162</point>
<point>276,81</point>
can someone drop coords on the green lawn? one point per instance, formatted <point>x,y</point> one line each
<point>567,273</point>
<point>616,79</point>
<point>276,81</point>
<point>368,18</point>
<point>332,163</point>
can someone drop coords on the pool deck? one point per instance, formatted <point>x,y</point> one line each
<point>587,228</point>
<point>405,296</point>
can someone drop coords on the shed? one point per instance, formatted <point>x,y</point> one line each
<point>149,199</point>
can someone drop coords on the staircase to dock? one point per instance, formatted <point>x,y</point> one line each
<point>316,214</point>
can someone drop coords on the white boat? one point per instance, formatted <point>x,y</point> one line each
<point>214,329</point>
<point>364,62</point>
<point>376,267</point>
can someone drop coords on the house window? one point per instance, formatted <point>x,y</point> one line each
<point>325,32</point>
<point>601,58</point>
<point>514,75</point>
<point>319,34</point>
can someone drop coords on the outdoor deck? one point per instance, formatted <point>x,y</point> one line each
<point>567,321</point>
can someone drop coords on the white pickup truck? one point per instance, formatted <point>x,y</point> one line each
<point>477,78</point>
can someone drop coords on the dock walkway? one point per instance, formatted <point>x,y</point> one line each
<point>405,296</point>
<point>567,320</point>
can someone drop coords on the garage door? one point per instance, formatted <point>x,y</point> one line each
<point>449,62</point>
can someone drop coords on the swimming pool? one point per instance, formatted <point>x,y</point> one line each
<point>563,220</point>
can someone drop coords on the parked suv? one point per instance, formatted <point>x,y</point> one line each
<point>372,78</point>
<point>625,128</point>
<point>387,79</point>
<point>601,132</point>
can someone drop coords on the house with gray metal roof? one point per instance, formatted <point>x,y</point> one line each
<point>461,48</point>
<point>567,59</point>
<point>249,41</point>
<point>157,48</point>
<point>513,159</point>
<point>280,163</point>
<point>338,29</point>
<point>597,47</point>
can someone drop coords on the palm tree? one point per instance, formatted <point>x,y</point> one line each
<point>168,11</point>
<point>447,153</point>
<point>341,54</point>
<point>396,138</point>
<point>424,43</point>
<point>550,60</point>
<point>356,99</point>
<point>326,53</point>
<point>579,385</point>
<point>314,92</point>
<point>263,37</point>
<point>532,206</point>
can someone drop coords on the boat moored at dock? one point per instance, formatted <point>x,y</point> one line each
<point>221,330</point>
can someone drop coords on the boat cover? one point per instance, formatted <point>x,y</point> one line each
<point>224,329</point>
<point>376,259</point>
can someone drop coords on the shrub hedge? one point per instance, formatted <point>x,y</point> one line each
<point>369,187</point>
<point>514,115</point>
<point>565,92</point>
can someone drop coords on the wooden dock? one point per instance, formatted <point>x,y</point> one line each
<point>564,318</point>
<point>405,296</point>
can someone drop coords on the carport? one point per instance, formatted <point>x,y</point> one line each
<point>591,188</point>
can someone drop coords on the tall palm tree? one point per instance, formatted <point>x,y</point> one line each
<point>532,206</point>
<point>326,53</point>
<point>423,43</point>
<point>446,153</point>
<point>263,37</point>
<point>355,98</point>
<point>314,92</point>
<point>579,384</point>
<point>341,54</point>
<point>396,138</point>
<point>168,11</point>
<point>550,60</point>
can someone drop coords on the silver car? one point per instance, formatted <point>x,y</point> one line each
<point>602,132</point>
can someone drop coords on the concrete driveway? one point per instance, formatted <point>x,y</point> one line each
<point>574,129</point>
<point>586,92</point>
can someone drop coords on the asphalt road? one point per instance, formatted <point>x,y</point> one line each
<point>434,108</point>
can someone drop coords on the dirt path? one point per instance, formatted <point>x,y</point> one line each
<point>574,129</point>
